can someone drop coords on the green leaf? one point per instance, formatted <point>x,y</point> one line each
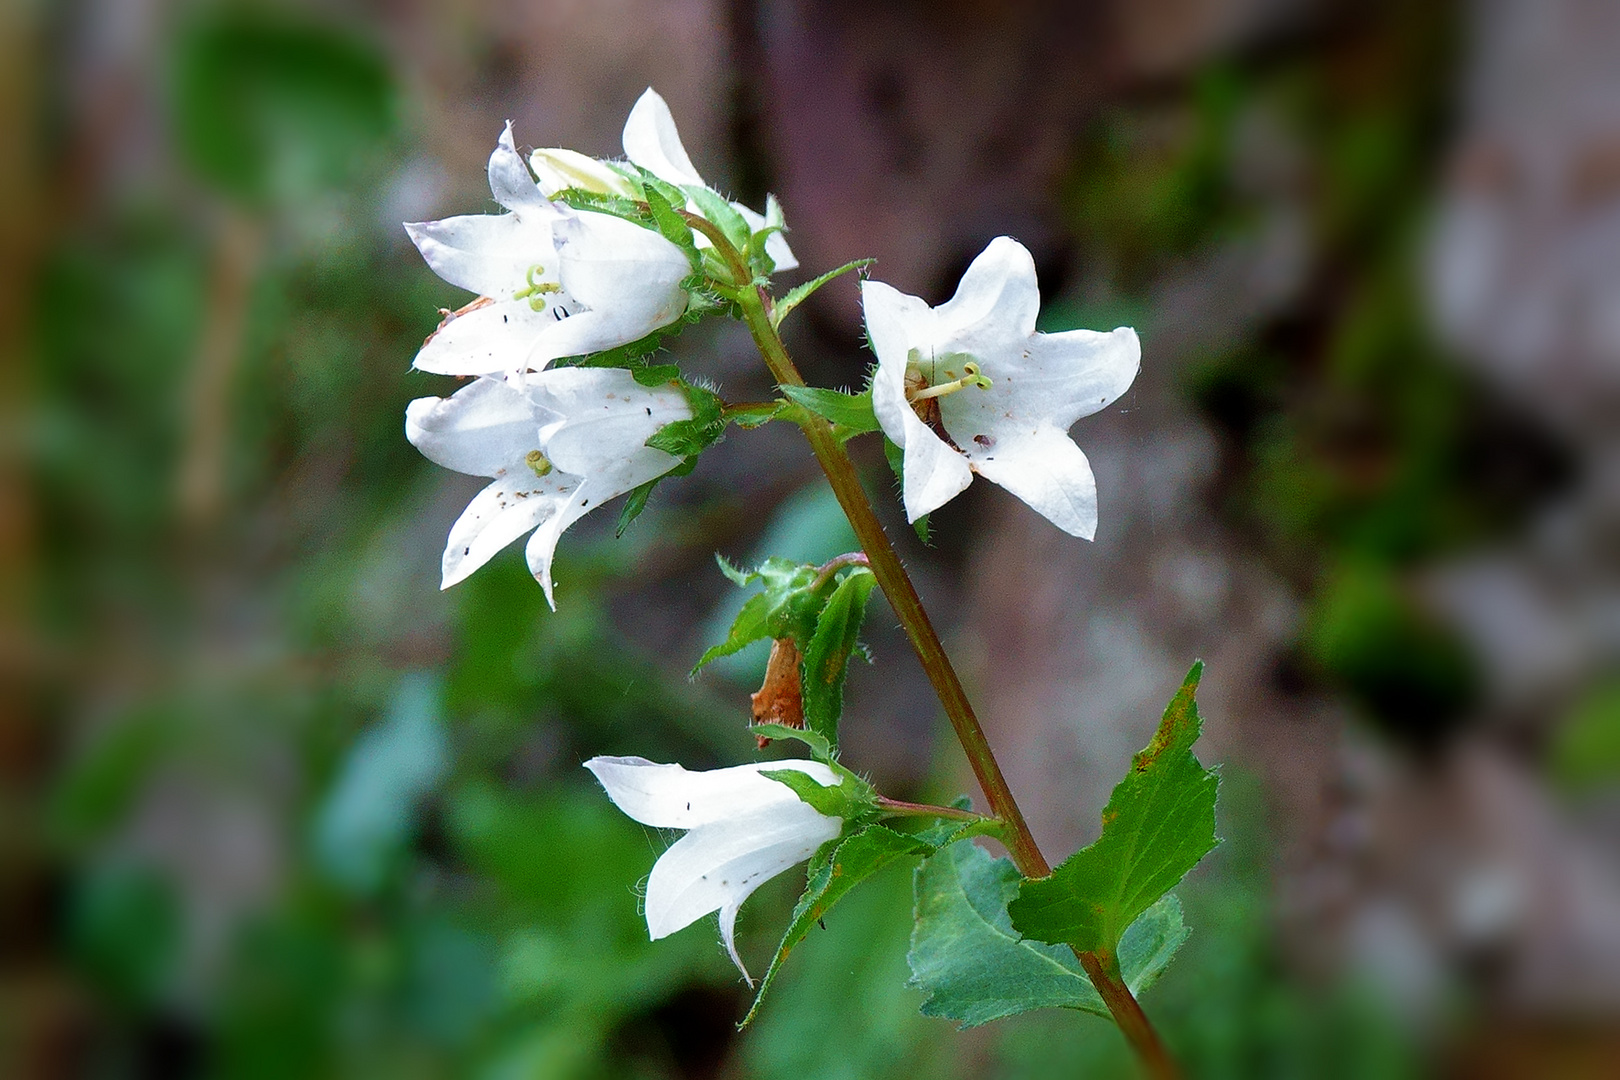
<point>661,204</point>
<point>719,213</point>
<point>655,374</point>
<point>832,874</point>
<point>786,608</point>
<point>826,657</point>
<point>686,438</point>
<point>1159,822</point>
<point>850,414</point>
<point>819,746</point>
<point>800,293</point>
<point>970,961</point>
<point>848,799</point>
<point>604,203</point>
<point>636,501</point>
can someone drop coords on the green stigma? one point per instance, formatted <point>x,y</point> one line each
<point>536,292</point>
<point>537,462</point>
<point>970,377</point>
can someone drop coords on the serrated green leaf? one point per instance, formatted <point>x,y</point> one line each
<point>826,657</point>
<point>719,213</point>
<point>819,746</point>
<point>737,576</point>
<point>785,608</point>
<point>1159,822</point>
<point>800,293</point>
<point>750,626</point>
<point>832,874</point>
<point>973,965</point>
<point>850,414</point>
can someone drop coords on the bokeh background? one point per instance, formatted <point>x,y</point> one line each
<point>275,806</point>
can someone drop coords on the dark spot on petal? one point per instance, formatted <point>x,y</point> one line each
<point>466,551</point>
<point>649,410</point>
<point>985,441</point>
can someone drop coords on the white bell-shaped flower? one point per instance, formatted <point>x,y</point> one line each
<point>565,442</point>
<point>651,141</point>
<point>742,830</point>
<point>970,387</point>
<point>552,282</point>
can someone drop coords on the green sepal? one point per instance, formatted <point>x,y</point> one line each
<point>819,746</point>
<point>684,438</point>
<point>826,656</point>
<point>662,200</point>
<point>786,607</point>
<point>655,374</point>
<point>719,213</point>
<point>800,293</point>
<point>834,870</point>
<point>851,798</point>
<point>966,956</point>
<point>636,501</point>
<point>1159,822</point>
<point>605,203</point>
<point>849,414</point>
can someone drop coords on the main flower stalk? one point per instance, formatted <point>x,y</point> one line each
<point>897,587</point>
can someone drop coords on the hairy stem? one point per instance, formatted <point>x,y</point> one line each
<point>1103,971</point>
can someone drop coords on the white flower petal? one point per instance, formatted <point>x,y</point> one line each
<point>608,262</point>
<point>933,473</point>
<point>673,797</point>
<point>720,864</point>
<point>484,429</point>
<point>605,420</point>
<point>776,245</point>
<point>1075,373</point>
<point>579,334</point>
<point>558,168</point>
<point>509,179</point>
<point>542,546</point>
<point>494,337</point>
<point>488,254</point>
<point>502,512</point>
<point>1048,471</point>
<point>995,305</point>
<point>651,141</point>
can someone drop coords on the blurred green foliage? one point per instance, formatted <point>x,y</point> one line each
<point>434,887</point>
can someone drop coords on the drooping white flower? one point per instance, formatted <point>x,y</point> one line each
<point>970,387</point>
<point>743,830</point>
<point>555,448</point>
<point>651,141</point>
<point>551,281</point>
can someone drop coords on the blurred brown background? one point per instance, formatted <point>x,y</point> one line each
<point>273,805</point>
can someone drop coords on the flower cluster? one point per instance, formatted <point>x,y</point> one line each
<point>591,257</point>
